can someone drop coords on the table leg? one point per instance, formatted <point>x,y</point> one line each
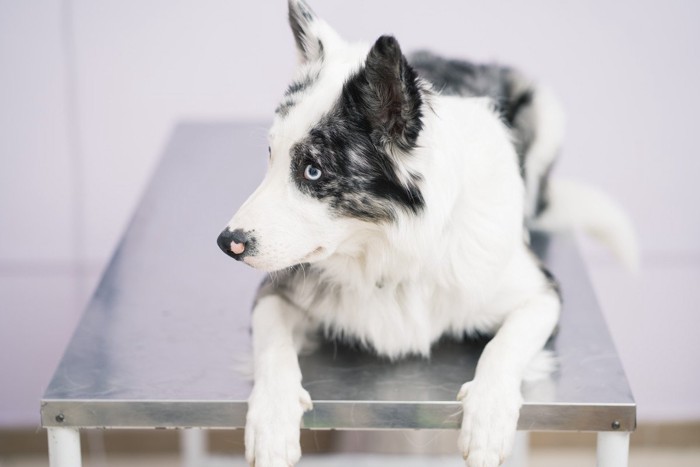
<point>521,450</point>
<point>613,449</point>
<point>193,447</point>
<point>64,447</point>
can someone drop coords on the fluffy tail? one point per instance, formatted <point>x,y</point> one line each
<point>573,205</point>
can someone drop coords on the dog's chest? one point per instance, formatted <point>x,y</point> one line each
<point>399,319</point>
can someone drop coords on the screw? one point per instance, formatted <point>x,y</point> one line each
<point>60,418</point>
<point>616,425</point>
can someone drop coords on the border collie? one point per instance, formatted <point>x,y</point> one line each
<point>395,211</point>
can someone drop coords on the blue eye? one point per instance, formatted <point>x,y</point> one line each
<point>312,173</point>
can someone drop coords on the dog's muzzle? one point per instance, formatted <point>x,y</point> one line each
<point>237,244</point>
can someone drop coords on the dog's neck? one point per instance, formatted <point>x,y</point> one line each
<point>375,258</point>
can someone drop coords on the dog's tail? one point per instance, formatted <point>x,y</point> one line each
<point>572,205</point>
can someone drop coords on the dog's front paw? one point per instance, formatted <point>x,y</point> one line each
<point>273,423</point>
<point>490,419</point>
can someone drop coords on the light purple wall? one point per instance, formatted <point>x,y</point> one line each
<point>90,89</point>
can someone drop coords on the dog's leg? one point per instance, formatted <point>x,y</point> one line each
<point>277,402</point>
<point>492,400</point>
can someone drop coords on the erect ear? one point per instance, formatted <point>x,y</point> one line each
<point>393,100</point>
<point>312,35</point>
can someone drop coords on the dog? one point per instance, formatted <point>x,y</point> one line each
<point>395,211</point>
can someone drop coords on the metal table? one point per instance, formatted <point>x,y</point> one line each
<point>163,338</point>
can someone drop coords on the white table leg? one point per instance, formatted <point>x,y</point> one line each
<point>64,447</point>
<point>613,449</point>
<point>193,447</point>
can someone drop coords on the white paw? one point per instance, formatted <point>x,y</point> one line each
<point>489,422</point>
<point>273,423</point>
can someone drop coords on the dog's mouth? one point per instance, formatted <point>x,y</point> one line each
<point>315,254</point>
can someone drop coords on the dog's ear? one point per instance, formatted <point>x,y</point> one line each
<point>393,100</point>
<point>312,35</point>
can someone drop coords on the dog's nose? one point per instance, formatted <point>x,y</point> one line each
<point>234,243</point>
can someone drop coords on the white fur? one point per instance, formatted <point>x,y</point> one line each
<point>277,401</point>
<point>571,205</point>
<point>550,123</point>
<point>577,206</point>
<point>460,266</point>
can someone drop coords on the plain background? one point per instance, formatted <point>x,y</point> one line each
<point>89,91</point>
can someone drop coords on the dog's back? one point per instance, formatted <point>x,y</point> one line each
<point>532,114</point>
<point>536,121</point>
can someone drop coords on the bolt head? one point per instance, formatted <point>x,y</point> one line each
<point>60,418</point>
<point>616,425</point>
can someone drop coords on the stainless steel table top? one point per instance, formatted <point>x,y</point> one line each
<point>164,339</point>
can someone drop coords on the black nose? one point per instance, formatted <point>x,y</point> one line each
<point>237,244</point>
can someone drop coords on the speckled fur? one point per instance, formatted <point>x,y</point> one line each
<point>393,213</point>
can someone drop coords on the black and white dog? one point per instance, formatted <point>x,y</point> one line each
<point>395,211</point>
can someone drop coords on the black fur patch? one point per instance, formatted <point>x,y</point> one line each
<point>294,88</point>
<point>513,108</point>
<point>300,85</point>
<point>389,91</point>
<point>305,10</point>
<point>379,110</point>
<point>284,107</point>
<point>300,18</point>
<point>462,78</point>
<point>552,281</point>
<point>543,192</point>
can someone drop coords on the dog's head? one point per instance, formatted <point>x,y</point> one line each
<point>338,150</point>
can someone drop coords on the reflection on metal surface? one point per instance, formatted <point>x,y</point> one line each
<point>161,340</point>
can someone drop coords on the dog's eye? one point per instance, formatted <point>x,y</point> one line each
<point>312,173</point>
